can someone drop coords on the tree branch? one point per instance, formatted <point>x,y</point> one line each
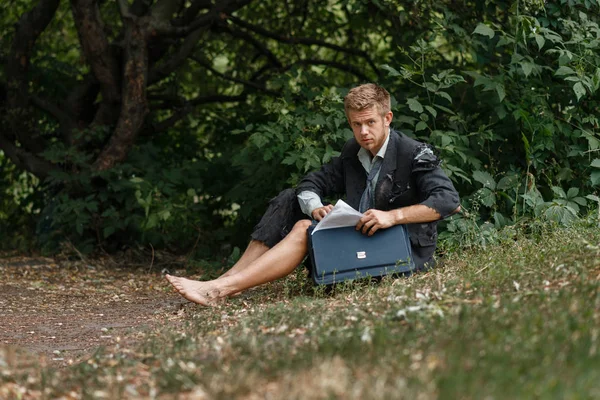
<point>67,124</point>
<point>337,65</point>
<point>218,98</point>
<point>187,107</point>
<point>253,41</point>
<point>172,120</point>
<point>192,11</point>
<point>85,92</point>
<point>140,7</point>
<point>244,82</point>
<point>343,67</point>
<point>219,11</point>
<point>304,41</point>
<point>124,9</point>
<point>28,29</point>
<point>134,103</point>
<point>169,101</point>
<point>264,69</point>
<point>162,70</point>
<point>97,51</point>
<point>193,33</point>
<point>164,9</point>
<point>26,160</point>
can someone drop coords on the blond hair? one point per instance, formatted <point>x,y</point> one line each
<point>367,96</point>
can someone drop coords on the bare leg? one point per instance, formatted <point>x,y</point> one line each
<point>254,250</point>
<point>275,263</point>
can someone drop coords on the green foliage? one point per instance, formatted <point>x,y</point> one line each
<point>19,205</point>
<point>515,118</point>
<point>507,92</point>
<point>307,130</point>
<point>152,199</point>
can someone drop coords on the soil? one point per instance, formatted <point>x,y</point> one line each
<point>65,310</point>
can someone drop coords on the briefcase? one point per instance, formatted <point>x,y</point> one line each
<point>341,254</point>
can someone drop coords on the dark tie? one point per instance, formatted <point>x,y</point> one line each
<point>368,198</point>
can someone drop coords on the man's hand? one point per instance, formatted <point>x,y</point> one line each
<point>319,213</point>
<point>373,220</point>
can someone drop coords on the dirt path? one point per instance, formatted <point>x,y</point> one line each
<point>67,310</point>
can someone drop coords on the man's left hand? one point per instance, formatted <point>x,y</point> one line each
<point>373,220</point>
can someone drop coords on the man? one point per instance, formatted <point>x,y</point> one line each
<point>391,178</point>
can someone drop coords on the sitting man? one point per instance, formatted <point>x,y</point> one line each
<point>391,178</point>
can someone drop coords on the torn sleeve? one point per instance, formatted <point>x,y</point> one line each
<point>436,190</point>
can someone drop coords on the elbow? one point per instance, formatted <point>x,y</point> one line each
<point>456,210</point>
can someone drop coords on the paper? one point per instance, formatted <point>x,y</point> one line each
<point>341,215</point>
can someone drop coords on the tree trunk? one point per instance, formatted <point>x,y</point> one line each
<point>134,105</point>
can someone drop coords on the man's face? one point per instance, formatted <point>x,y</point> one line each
<point>370,128</point>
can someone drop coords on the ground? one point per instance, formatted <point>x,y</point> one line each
<point>517,319</point>
<point>65,310</point>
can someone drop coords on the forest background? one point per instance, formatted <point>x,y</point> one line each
<point>169,124</point>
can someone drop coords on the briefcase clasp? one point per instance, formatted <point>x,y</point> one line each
<point>361,254</point>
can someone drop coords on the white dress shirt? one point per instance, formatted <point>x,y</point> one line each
<point>310,201</point>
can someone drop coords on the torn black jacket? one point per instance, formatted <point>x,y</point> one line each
<point>409,175</point>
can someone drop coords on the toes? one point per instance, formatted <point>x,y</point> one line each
<point>179,287</point>
<point>176,283</point>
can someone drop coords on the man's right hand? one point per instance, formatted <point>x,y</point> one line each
<point>319,213</point>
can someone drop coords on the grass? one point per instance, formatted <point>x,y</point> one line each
<point>516,320</point>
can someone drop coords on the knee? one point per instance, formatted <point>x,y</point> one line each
<point>299,233</point>
<point>300,228</point>
<point>298,236</point>
<point>302,225</point>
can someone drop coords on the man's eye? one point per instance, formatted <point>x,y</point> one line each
<point>371,122</point>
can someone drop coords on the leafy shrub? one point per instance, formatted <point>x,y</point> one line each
<point>506,91</point>
<point>19,205</point>
<point>516,121</point>
<point>303,134</point>
<point>153,199</point>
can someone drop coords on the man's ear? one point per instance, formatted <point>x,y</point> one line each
<point>387,118</point>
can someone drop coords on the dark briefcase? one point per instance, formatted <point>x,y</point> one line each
<point>341,254</point>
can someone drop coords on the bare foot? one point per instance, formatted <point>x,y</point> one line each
<point>203,293</point>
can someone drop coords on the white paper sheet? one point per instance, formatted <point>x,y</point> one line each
<point>341,215</point>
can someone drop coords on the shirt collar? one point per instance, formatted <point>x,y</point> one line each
<point>365,156</point>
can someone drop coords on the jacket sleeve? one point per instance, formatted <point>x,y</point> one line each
<point>435,189</point>
<point>309,201</point>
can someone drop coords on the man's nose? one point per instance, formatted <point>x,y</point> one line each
<point>364,129</point>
